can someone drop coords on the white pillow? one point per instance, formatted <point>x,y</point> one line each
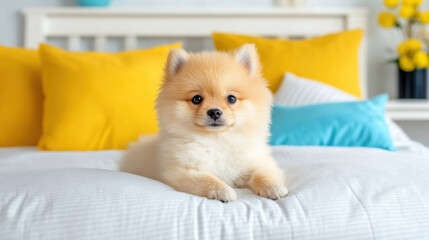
<point>298,91</point>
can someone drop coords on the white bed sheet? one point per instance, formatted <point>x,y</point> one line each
<point>29,158</point>
<point>335,193</point>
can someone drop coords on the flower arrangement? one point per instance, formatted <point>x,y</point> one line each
<point>406,16</point>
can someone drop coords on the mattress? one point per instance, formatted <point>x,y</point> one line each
<point>335,193</point>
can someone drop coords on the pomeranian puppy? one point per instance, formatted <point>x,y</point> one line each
<point>214,111</point>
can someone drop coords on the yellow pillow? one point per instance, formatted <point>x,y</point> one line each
<point>96,101</point>
<point>20,97</point>
<point>332,59</point>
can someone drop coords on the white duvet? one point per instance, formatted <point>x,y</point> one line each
<point>335,193</point>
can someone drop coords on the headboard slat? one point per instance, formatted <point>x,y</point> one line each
<point>74,43</point>
<point>130,42</point>
<point>100,43</point>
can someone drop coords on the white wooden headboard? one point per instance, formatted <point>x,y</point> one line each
<point>135,25</point>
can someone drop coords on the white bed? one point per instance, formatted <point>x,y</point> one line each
<point>335,193</point>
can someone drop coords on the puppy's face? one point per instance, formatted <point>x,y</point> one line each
<point>213,92</point>
<point>211,110</point>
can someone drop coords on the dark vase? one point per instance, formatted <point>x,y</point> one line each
<point>413,84</point>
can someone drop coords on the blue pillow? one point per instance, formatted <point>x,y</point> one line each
<point>350,124</point>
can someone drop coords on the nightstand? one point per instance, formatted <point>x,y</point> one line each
<point>408,109</point>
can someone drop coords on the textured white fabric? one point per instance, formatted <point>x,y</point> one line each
<point>28,158</point>
<point>299,91</point>
<point>335,193</point>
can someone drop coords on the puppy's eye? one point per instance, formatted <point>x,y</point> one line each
<point>197,99</point>
<point>231,99</point>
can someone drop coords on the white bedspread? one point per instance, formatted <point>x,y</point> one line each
<point>335,193</point>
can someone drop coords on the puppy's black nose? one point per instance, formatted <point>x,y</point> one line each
<point>214,113</point>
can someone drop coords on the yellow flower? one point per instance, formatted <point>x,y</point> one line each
<point>417,13</point>
<point>406,64</point>
<point>418,2</point>
<point>421,59</point>
<point>386,19</point>
<point>403,48</point>
<point>412,2</point>
<point>391,3</point>
<point>424,17</point>
<point>409,46</point>
<point>406,11</point>
<point>414,44</point>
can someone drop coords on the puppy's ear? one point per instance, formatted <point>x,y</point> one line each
<point>248,57</point>
<point>177,58</point>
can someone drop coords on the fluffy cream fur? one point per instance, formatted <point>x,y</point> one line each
<point>193,155</point>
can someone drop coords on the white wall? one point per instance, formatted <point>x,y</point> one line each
<point>382,76</point>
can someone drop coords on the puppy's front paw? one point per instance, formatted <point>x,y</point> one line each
<point>223,193</point>
<point>273,191</point>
